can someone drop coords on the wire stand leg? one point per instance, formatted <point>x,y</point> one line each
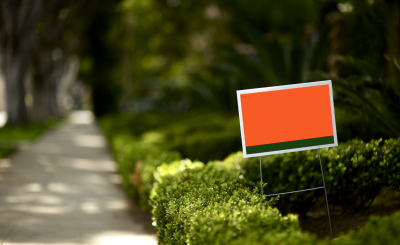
<point>326,196</point>
<point>262,191</point>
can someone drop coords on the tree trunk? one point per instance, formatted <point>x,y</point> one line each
<point>54,106</point>
<point>46,95</point>
<point>15,70</point>
<point>40,103</point>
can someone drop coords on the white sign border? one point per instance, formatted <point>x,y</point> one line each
<point>274,88</point>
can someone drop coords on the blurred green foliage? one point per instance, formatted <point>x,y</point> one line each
<point>184,60</point>
<point>137,162</point>
<point>25,132</point>
<point>204,135</point>
<point>188,38</point>
<point>142,142</point>
<point>5,151</point>
<point>370,94</point>
<point>181,56</point>
<point>371,20</point>
<point>268,61</point>
<point>11,136</point>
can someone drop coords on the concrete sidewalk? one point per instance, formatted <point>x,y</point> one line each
<point>64,189</point>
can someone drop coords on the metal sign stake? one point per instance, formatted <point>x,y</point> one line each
<point>326,196</point>
<point>262,192</point>
<point>323,180</point>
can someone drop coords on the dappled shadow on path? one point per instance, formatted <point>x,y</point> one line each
<point>64,189</point>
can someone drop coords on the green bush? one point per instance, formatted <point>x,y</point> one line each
<point>5,151</point>
<point>377,230</point>
<point>26,132</point>
<point>219,202</point>
<point>354,173</point>
<point>197,204</point>
<point>204,136</point>
<point>132,124</point>
<point>391,162</point>
<point>351,124</point>
<point>12,136</point>
<point>137,160</point>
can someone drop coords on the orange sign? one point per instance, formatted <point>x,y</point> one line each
<point>287,118</point>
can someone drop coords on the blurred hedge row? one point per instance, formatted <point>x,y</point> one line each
<point>355,171</point>
<point>137,162</point>
<point>218,202</point>
<point>194,203</point>
<point>204,136</point>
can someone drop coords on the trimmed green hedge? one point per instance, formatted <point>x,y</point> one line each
<point>197,204</point>
<point>354,173</point>
<point>137,160</point>
<point>204,136</point>
<point>385,230</point>
<point>219,202</point>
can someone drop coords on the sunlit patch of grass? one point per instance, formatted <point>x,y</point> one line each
<point>25,132</point>
<point>12,136</point>
<point>5,151</point>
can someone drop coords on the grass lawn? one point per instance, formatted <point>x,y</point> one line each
<point>4,151</point>
<point>25,132</point>
<point>12,136</point>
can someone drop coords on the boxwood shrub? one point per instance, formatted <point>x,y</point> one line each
<point>197,204</point>
<point>212,204</point>
<point>219,202</point>
<point>205,136</point>
<point>354,173</point>
<point>137,160</point>
<point>377,230</point>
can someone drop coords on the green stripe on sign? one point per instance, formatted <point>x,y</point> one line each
<point>290,145</point>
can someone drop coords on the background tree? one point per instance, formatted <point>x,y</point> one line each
<point>19,21</point>
<point>37,41</point>
<point>99,56</point>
